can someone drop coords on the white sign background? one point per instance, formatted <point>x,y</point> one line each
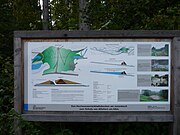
<point>103,76</point>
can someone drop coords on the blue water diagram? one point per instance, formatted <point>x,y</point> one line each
<point>123,73</point>
<point>123,63</point>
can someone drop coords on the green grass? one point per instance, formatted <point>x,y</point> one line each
<point>144,98</point>
<point>158,69</point>
<point>147,99</point>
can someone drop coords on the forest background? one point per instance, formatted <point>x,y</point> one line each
<point>64,15</point>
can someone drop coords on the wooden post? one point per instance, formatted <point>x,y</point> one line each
<point>45,14</point>
<point>176,82</point>
<point>17,82</point>
<point>82,15</point>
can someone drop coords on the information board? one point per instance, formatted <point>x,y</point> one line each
<point>97,75</point>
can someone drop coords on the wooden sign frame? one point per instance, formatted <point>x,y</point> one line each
<point>171,116</point>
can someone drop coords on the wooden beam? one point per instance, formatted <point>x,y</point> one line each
<point>100,117</point>
<point>99,34</point>
<point>176,83</point>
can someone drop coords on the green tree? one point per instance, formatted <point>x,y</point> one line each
<point>15,15</point>
<point>27,14</point>
<point>133,14</point>
<point>65,14</point>
<point>164,94</point>
<point>6,27</point>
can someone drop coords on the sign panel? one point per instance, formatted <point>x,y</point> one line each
<point>97,75</point>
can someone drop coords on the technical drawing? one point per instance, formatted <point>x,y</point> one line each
<point>123,63</point>
<point>61,82</point>
<point>123,73</point>
<point>115,49</point>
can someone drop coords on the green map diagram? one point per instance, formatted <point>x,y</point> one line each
<point>59,59</point>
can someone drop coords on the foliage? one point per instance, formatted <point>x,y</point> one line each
<point>104,129</point>
<point>27,14</point>
<point>6,27</point>
<point>7,124</point>
<point>15,15</point>
<point>117,14</point>
<point>64,14</point>
<point>7,113</point>
<point>133,14</point>
<point>6,93</point>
